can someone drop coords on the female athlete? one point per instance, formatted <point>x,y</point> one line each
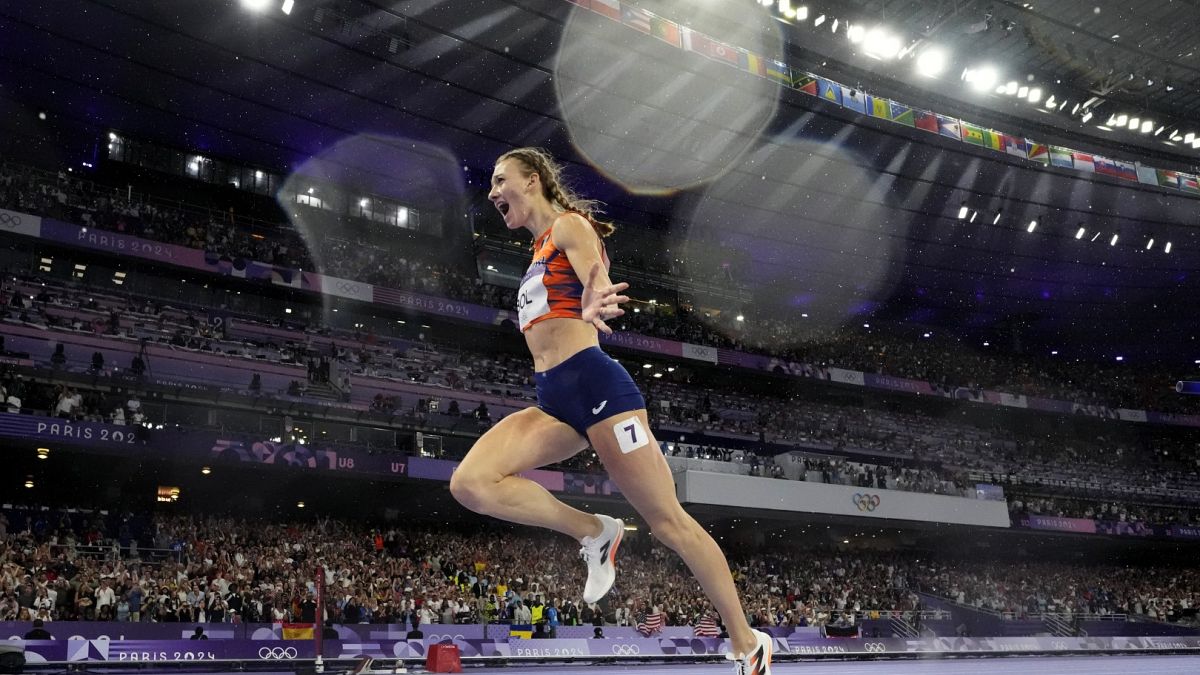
<point>584,396</point>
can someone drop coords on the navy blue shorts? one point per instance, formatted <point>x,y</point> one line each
<point>587,388</point>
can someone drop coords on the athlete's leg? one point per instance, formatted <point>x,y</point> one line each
<point>486,481</point>
<point>634,462</point>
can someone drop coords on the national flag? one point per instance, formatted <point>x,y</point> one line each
<point>1105,166</point>
<point>1012,145</point>
<point>1037,152</point>
<point>609,8</point>
<point>522,631</point>
<point>297,631</point>
<point>1125,170</point>
<point>972,134</point>
<point>1083,161</point>
<point>879,107</point>
<point>707,626</point>
<point>949,127</point>
<point>779,71</point>
<point>830,91</point>
<point>1146,174</point>
<point>706,46</point>
<point>925,120</point>
<point>1189,183</point>
<point>753,63</point>
<point>993,140</point>
<point>1061,157</point>
<point>636,18</point>
<point>651,623</point>
<point>802,82</point>
<point>665,30</point>
<point>1168,178</point>
<point>902,114</point>
<point>854,99</point>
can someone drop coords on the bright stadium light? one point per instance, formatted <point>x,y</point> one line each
<point>931,62</point>
<point>256,5</point>
<point>997,218</point>
<point>1113,241</point>
<point>1035,95</point>
<point>855,33</point>
<point>985,78</point>
<point>962,211</point>
<point>1032,225</point>
<point>1121,120</point>
<point>1147,126</point>
<point>287,6</point>
<point>1135,122</point>
<point>1080,233</point>
<point>1188,137</point>
<point>1150,244</point>
<point>1022,92</point>
<point>1087,115</point>
<point>820,20</point>
<point>1011,87</point>
<point>881,44</point>
<point>1167,248</point>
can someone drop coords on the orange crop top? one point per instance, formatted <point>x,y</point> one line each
<point>550,288</point>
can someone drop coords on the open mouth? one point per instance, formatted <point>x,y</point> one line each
<point>502,207</point>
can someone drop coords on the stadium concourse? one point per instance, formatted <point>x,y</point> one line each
<point>910,288</point>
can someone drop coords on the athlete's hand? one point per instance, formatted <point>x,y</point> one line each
<point>601,302</point>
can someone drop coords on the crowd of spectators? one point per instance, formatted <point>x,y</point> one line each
<point>896,449</point>
<point>58,565</point>
<point>945,363</point>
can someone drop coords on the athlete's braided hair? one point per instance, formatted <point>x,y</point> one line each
<point>537,160</point>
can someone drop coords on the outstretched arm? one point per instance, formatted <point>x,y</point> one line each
<point>601,300</point>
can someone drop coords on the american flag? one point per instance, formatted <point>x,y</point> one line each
<point>707,626</point>
<point>651,623</point>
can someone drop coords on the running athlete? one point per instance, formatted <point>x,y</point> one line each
<point>584,396</point>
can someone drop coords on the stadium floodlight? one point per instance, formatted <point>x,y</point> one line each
<point>1087,115</point>
<point>1113,241</point>
<point>973,215</point>
<point>1096,236</point>
<point>880,44</point>
<point>1121,120</point>
<point>931,62</point>
<point>1035,95</point>
<point>256,5</point>
<point>1011,87</point>
<point>1062,105</point>
<point>962,211</point>
<point>1032,225</point>
<point>997,218</point>
<point>1050,102</point>
<point>1120,358</point>
<point>1147,126</point>
<point>1167,248</point>
<point>287,6</point>
<point>1134,123</point>
<point>1075,108</point>
<point>1196,143</point>
<point>1080,233</point>
<point>819,20</point>
<point>1159,130</point>
<point>802,13</point>
<point>855,33</point>
<point>1188,137</point>
<point>1150,244</point>
<point>833,28</point>
<point>1022,92</point>
<point>984,78</point>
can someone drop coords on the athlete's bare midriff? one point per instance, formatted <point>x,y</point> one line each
<point>555,340</point>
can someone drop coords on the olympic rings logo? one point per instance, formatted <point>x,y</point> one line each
<point>447,636</point>
<point>277,653</point>
<point>626,650</point>
<point>866,502</point>
<point>10,220</point>
<point>349,287</point>
<point>875,647</point>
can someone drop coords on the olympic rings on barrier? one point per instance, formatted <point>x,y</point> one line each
<point>439,638</point>
<point>875,647</point>
<point>626,650</point>
<point>277,653</point>
<point>349,287</point>
<point>10,220</point>
<point>865,502</point>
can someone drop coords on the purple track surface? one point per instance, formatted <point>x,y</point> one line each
<point>1051,665</point>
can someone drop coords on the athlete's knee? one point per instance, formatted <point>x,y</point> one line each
<point>471,489</point>
<point>675,529</point>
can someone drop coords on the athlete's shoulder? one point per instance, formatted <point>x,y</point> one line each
<point>571,230</point>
